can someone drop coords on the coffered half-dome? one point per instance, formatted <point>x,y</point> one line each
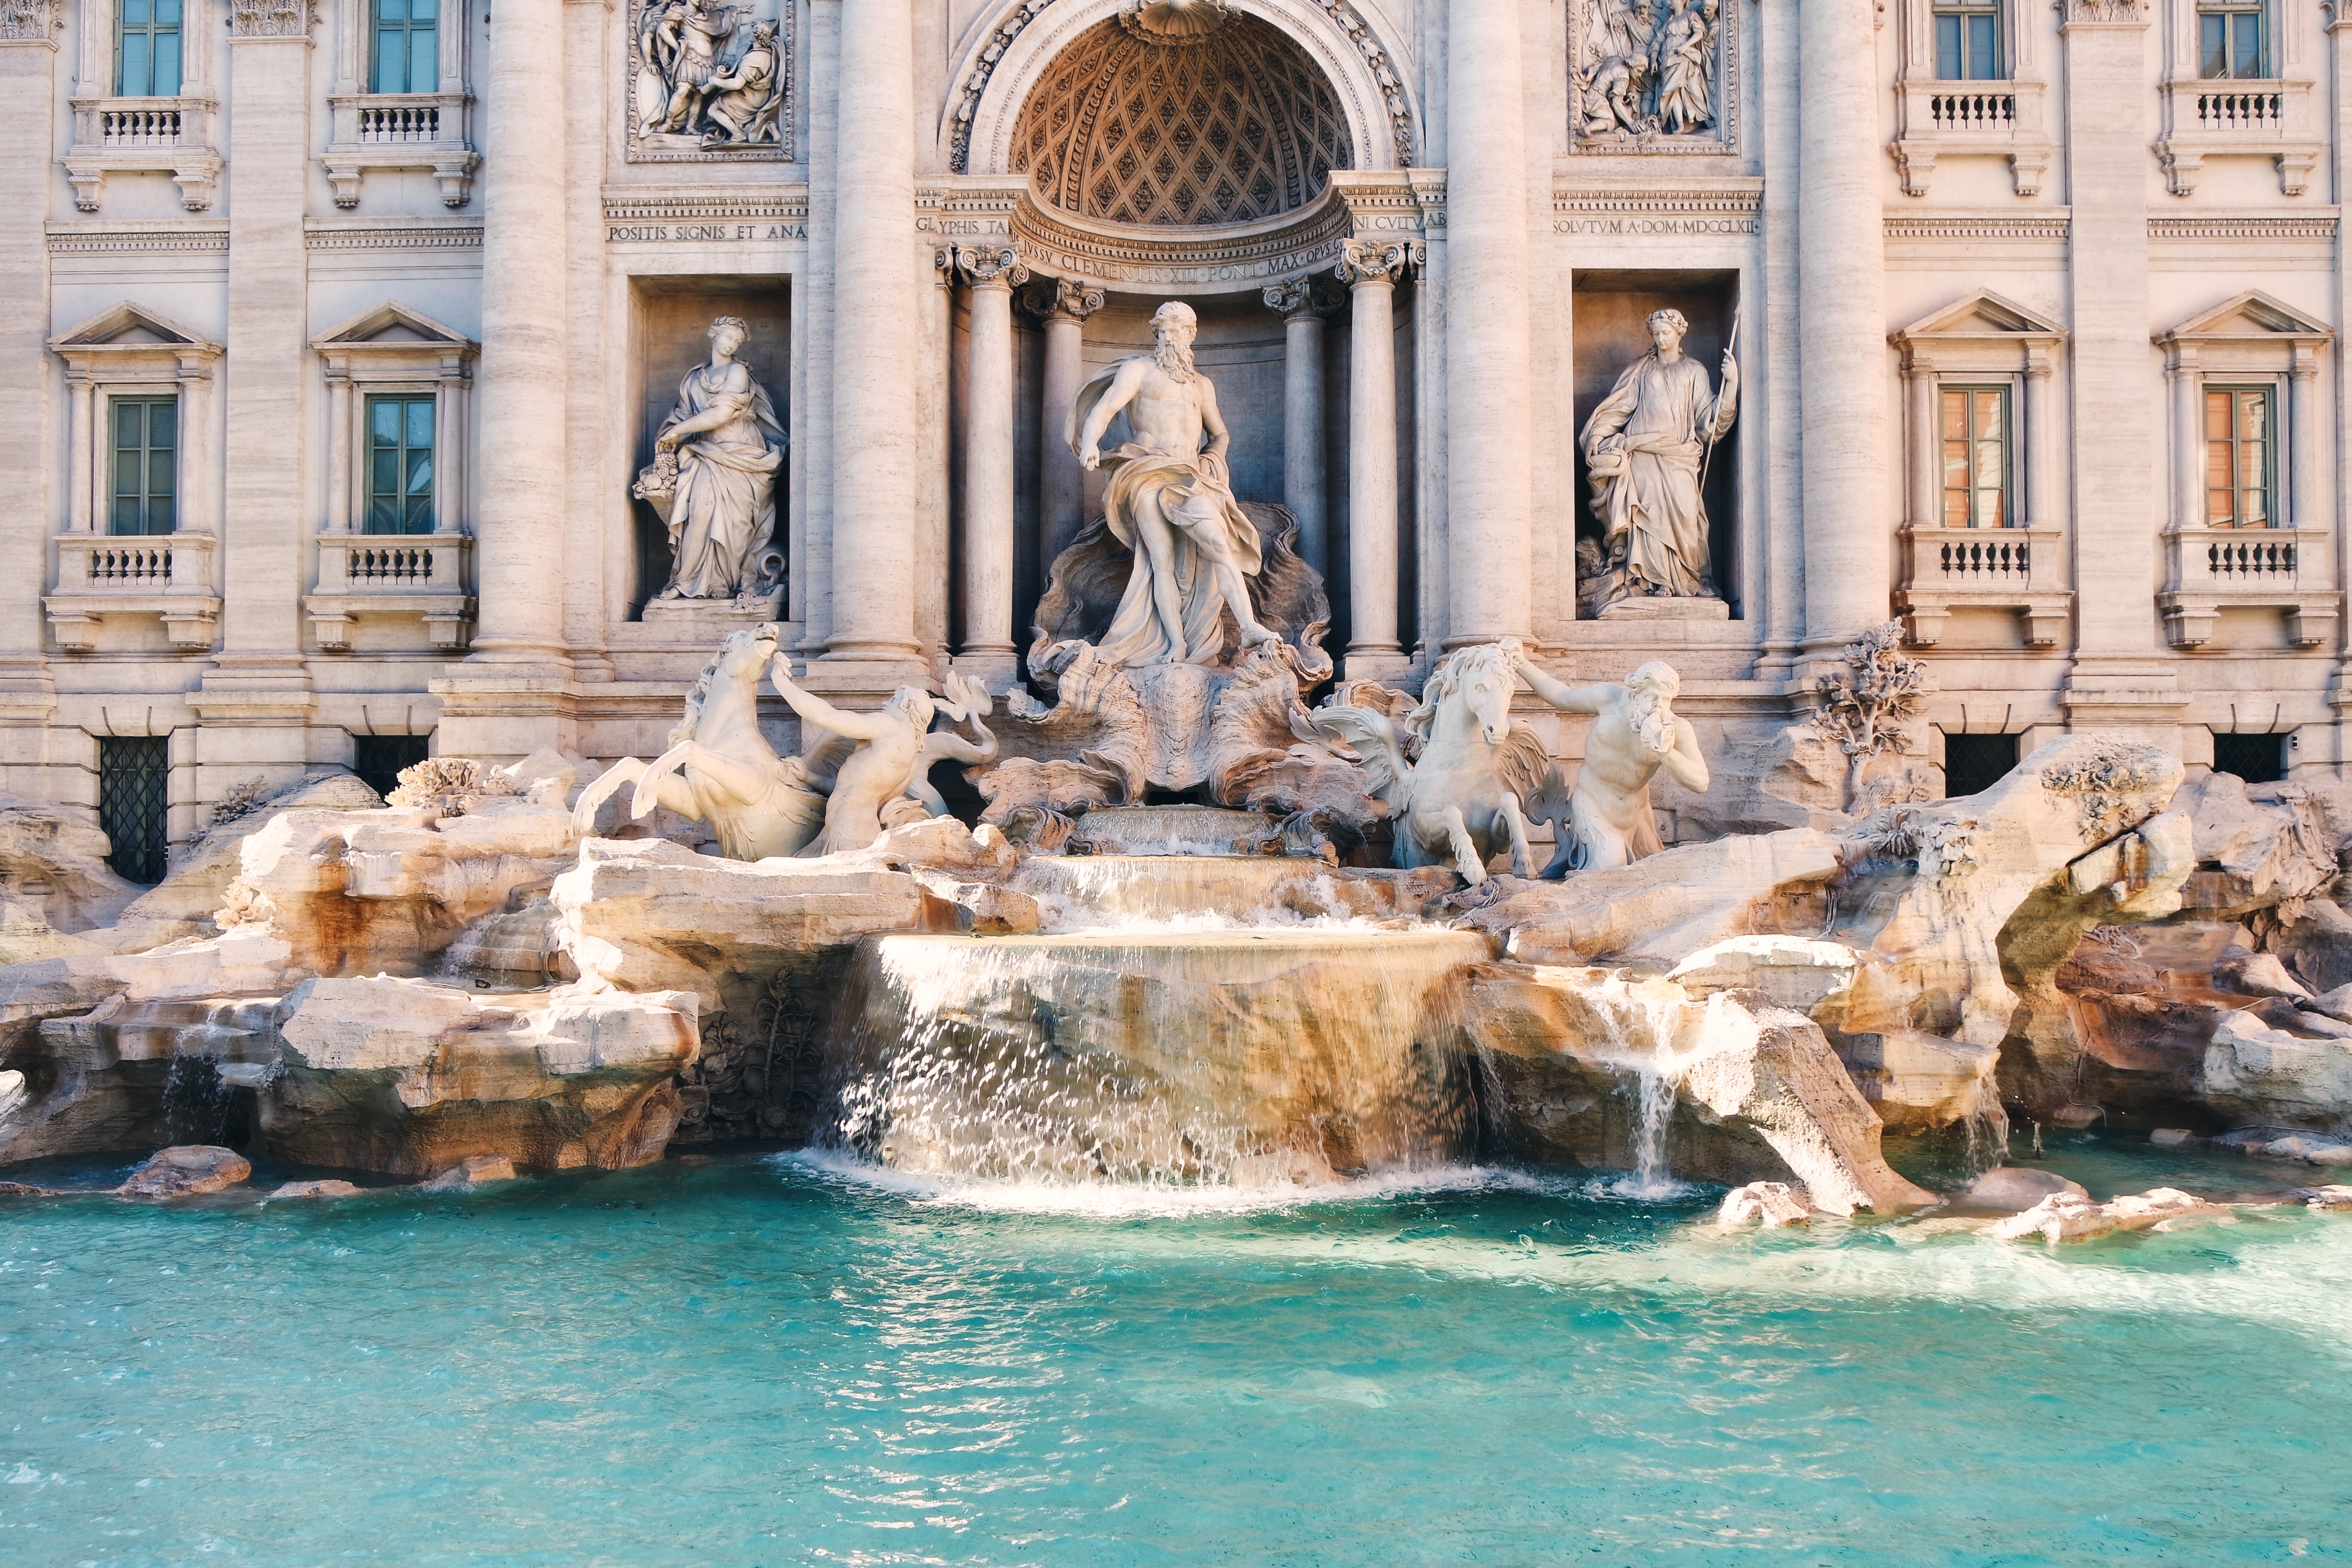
<point>1234,127</point>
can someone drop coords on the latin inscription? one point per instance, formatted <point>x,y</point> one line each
<point>700,233</point>
<point>1634,226</point>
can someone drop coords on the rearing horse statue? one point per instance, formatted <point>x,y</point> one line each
<point>1460,778</point>
<point>719,768</point>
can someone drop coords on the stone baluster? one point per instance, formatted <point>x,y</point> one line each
<point>1489,497</point>
<point>1841,316</point>
<point>873,645</point>
<point>1371,270</point>
<point>1302,308</point>
<point>990,275</point>
<point>1064,305</point>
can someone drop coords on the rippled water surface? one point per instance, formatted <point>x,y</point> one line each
<point>760,1361</point>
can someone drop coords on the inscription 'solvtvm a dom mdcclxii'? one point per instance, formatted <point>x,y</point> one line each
<point>386,377</point>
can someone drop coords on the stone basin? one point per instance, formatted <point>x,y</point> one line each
<point>1249,1057</point>
<point>1172,830</point>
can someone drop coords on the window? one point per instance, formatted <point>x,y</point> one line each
<point>146,466</point>
<point>2240,458</point>
<point>400,465</point>
<point>1976,457</point>
<point>380,759</point>
<point>147,48</point>
<point>1973,763</point>
<point>134,802</point>
<point>405,56</point>
<point>2257,759</point>
<point>1968,40</point>
<point>2233,39</point>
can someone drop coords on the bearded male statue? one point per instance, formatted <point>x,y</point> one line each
<point>1171,501</point>
<point>1635,732</point>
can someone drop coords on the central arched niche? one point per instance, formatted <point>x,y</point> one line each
<point>1235,128</point>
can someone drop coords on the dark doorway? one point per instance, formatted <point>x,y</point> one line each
<point>378,758</point>
<point>2257,759</point>
<point>1973,763</point>
<point>134,804</point>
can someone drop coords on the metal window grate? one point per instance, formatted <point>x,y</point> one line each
<point>134,795</point>
<point>2255,758</point>
<point>1973,763</point>
<point>378,758</point>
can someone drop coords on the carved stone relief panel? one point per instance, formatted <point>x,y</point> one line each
<point>708,81</point>
<point>1652,76</point>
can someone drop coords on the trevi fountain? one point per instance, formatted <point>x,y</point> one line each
<point>1187,1106</point>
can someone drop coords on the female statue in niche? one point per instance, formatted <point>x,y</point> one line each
<point>1645,446</point>
<point>713,477</point>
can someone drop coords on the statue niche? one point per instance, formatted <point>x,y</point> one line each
<point>713,483</point>
<point>1181,630</point>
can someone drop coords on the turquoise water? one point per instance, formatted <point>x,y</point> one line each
<point>762,1361</point>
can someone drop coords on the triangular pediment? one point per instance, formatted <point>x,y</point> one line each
<point>2264,318</point>
<point>129,326</point>
<point>1982,314</point>
<point>391,325</point>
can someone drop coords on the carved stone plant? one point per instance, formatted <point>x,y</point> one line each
<point>1866,707</point>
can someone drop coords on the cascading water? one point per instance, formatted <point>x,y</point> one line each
<point>1655,1097</point>
<point>1245,1057</point>
<point>197,1103</point>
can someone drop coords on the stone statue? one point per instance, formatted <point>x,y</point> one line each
<point>1634,734</point>
<point>713,478</point>
<point>690,87</point>
<point>1171,501</point>
<point>884,781</point>
<point>720,769</point>
<point>1459,778</point>
<point>1684,60</point>
<point>1646,447</point>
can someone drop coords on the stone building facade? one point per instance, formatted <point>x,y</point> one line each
<point>335,333</point>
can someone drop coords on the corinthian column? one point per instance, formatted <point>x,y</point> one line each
<point>1489,503</point>
<point>1841,316</point>
<point>987,653</point>
<point>1302,310</point>
<point>520,525</point>
<point>28,64</point>
<point>873,646</point>
<point>1063,306</point>
<point>1371,271</point>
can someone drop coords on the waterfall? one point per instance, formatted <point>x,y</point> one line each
<point>1245,1057</point>
<point>196,1103</point>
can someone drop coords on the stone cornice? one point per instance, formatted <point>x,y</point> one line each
<point>201,236</point>
<point>392,234</point>
<point>2044,224</point>
<point>769,204</point>
<point>1713,207</point>
<point>2256,227</point>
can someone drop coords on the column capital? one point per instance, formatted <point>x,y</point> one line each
<point>1376,260</point>
<point>270,19</point>
<point>31,22</point>
<point>1297,297</point>
<point>988,267</point>
<point>1066,298</point>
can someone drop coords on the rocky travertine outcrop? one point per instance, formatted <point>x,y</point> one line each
<point>2070,1216</point>
<point>409,1077</point>
<point>54,860</point>
<point>1769,1204</point>
<point>1757,1093</point>
<point>185,1171</point>
<point>186,902</point>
